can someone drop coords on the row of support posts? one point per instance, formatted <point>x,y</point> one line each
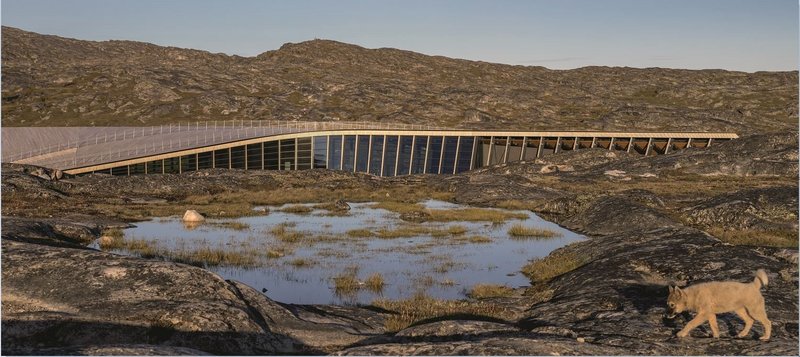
<point>490,155</point>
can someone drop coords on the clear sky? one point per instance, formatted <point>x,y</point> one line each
<point>745,35</point>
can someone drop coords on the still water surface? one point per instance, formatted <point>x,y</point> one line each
<point>442,267</point>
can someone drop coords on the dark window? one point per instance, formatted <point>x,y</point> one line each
<point>188,163</point>
<point>171,165</point>
<point>204,160</point>
<point>320,152</point>
<point>420,147</point>
<point>375,163</point>
<point>449,157</point>
<point>349,152</point>
<point>237,157</point>
<point>303,153</point>
<point>335,152</point>
<point>404,157</point>
<point>362,153</point>
<point>464,153</point>
<point>155,167</point>
<point>254,156</point>
<point>119,171</point>
<point>434,154</point>
<point>222,158</point>
<point>287,154</point>
<point>271,155</point>
<point>390,156</point>
<point>137,169</point>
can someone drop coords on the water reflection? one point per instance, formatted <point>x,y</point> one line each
<point>303,264</point>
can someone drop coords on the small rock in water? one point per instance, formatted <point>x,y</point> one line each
<point>341,205</point>
<point>192,216</point>
<point>263,290</point>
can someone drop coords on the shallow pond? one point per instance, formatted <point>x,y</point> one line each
<point>300,266</point>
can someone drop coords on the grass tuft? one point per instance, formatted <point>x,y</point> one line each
<point>474,215</point>
<point>553,265</point>
<point>423,307</point>
<point>375,282</point>
<point>482,291</point>
<point>752,237</point>
<point>297,209</point>
<point>519,231</point>
<point>359,233</point>
<point>346,284</point>
<point>457,230</point>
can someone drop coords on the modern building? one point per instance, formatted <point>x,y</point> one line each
<point>356,147</point>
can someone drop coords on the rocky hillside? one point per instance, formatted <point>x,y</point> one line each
<point>54,81</point>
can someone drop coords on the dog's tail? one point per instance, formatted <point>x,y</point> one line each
<point>761,279</point>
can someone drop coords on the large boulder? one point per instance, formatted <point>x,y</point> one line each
<point>192,216</point>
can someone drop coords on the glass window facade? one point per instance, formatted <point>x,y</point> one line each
<point>222,158</point>
<point>271,161</point>
<point>119,171</point>
<point>348,159</point>
<point>434,155</point>
<point>390,156</point>
<point>189,163</point>
<point>171,165</point>
<point>362,153</point>
<point>320,152</point>
<point>303,153</point>
<point>376,155</point>
<point>237,157</point>
<point>205,160</point>
<point>254,161</point>
<point>419,154</point>
<point>335,152</point>
<point>287,154</point>
<point>155,167</point>
<point>404,156</point>
<point>449,156</point>
<point>464,153</point>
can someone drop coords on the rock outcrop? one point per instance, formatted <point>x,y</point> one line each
<point>55,81</point>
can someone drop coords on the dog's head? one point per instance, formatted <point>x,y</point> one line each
<point>676,302</point>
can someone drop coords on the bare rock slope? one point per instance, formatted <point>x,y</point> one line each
<point>55,81</point>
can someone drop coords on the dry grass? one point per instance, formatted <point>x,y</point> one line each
<point>422,307</point>
<point>518,205</point>
<point>519,231</point>
<point>480,239</point>
<point>457,230</point>
<point>555,264</point>
<point>346,284</point>
<point>284,234</point>
<point>302,262</point>
<point>212,257</point>
<point>482,291</point>
<point>473,215</point>
<point>297,209</point>
<point>751,237</point>
<point>359,233</point>
<point>374,282</point>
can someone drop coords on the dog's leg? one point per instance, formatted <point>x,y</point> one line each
<point>696,321</point>
<point>712,320</point>
<point>748,322</point>
<point>758,313</point>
